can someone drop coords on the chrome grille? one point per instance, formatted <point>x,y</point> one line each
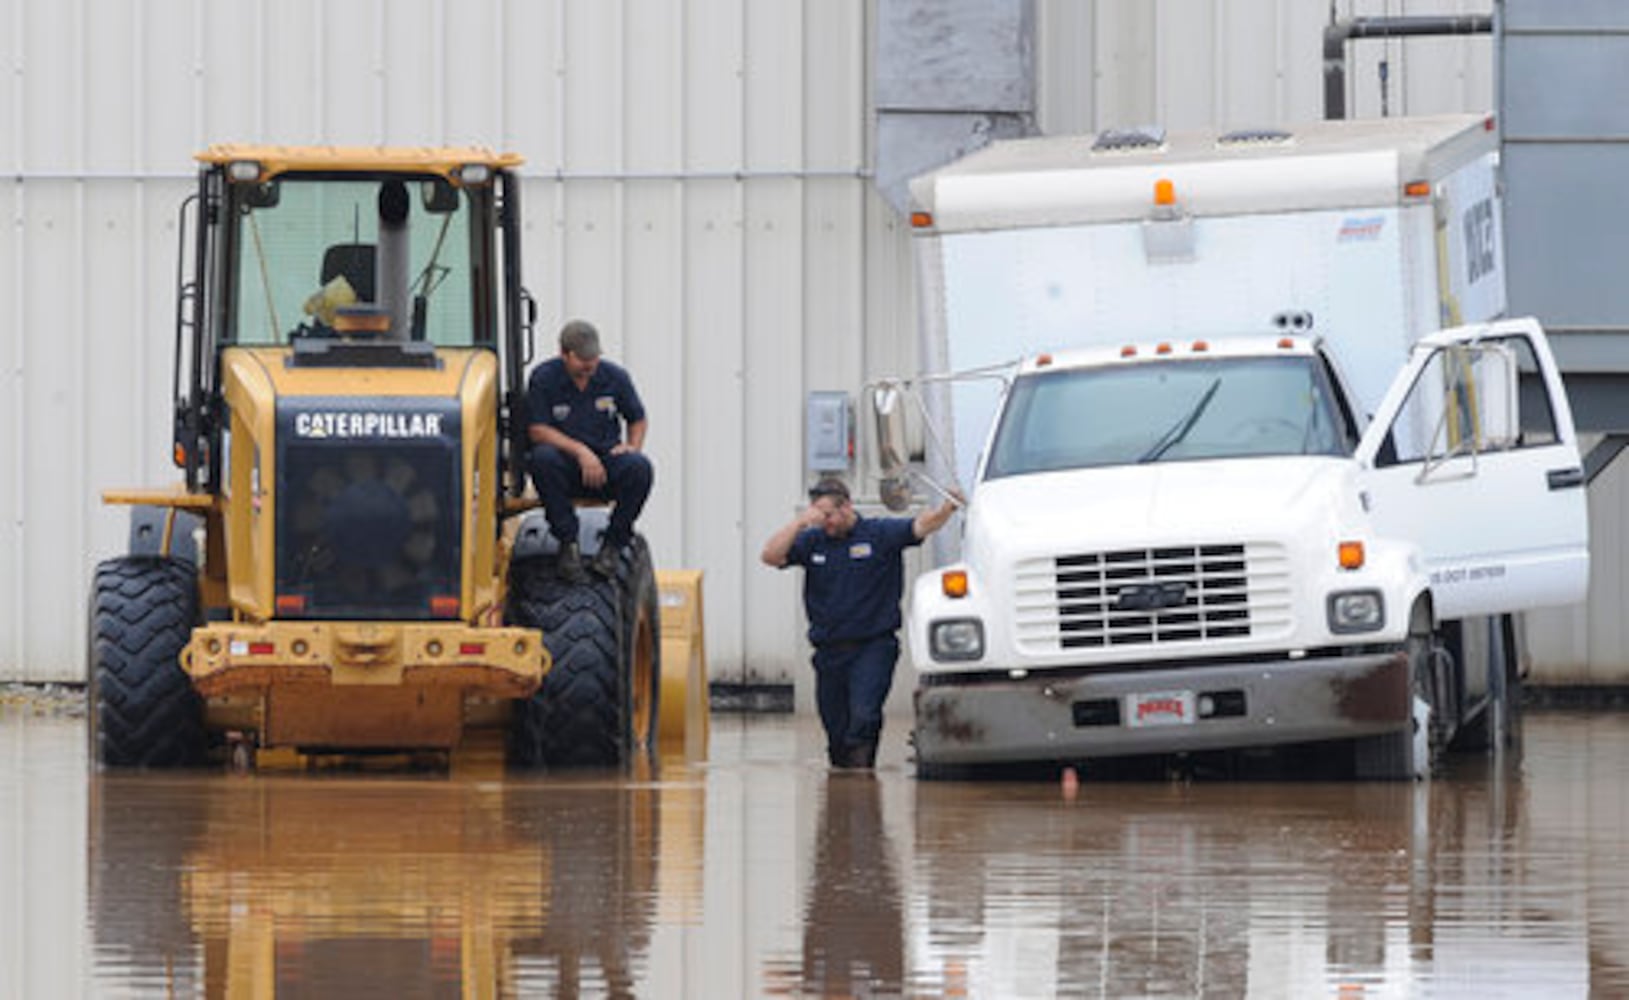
<point>1131,597</point>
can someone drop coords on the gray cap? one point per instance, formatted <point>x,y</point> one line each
<point>580,338</point>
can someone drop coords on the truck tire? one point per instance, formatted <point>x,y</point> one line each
<point>143,709</point>
<point>1394,756</point>
<point>597,706</point>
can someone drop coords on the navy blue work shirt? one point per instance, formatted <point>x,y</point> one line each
<point>593,414</point>
<point>852,585</point>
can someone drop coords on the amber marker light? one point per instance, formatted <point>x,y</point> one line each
<point>1201,346</point>
<point>954,583</point>
<point>1417,189</point>
<point>1351,555</point>
<point>1162,349</point>
<point>180,455</point>
<point>921,220</point>
<point>1043,360</point>
<point>1164,192</point>
<point>1285,343</point>
<point>290,604</point>
<point>443,606</point>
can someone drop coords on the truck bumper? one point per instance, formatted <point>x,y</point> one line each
<point>1156,711</point>
<point>359,685</point>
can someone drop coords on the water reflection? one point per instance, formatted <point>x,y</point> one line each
<point>761,874</point>
<point>853,925</point>
<point>1272,890</point>
<point>364,886</point>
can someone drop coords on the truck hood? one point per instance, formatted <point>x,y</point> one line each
<point>1186,501</point>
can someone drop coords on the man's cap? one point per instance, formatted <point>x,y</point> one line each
<point>580,338</point>
<point>829,486</point>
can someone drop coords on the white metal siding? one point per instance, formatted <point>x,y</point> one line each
<point>697,187</point>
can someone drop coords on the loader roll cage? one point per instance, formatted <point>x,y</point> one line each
<point>281,245</point>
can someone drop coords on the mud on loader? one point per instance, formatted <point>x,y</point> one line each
<point>350,562</point>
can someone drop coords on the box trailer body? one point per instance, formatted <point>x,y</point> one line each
<point>1157,288</point>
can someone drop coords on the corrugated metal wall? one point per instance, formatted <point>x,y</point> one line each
<point>699,188</point>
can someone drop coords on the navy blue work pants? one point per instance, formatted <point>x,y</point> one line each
<point>851,685</point>
<point>559,480</point>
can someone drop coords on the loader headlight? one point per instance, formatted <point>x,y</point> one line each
<point>956,639</point>
<point>244,171</point>
<point>1356,611</point>
<point>474,174</point>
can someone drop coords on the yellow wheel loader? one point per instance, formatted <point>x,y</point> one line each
<point>350,562</point>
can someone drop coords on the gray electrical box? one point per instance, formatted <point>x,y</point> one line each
<point>828,432</point>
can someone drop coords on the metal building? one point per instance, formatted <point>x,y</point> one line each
<point>702,186</point>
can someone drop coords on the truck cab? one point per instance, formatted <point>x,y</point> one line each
<point>1177,546</point>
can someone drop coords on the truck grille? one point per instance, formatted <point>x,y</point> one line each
<point>369,527</point>
<point>1132,597</point>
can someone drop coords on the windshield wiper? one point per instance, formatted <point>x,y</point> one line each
<point>1180,429</point>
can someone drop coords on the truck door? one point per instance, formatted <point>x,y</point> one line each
<point>1491,490</point>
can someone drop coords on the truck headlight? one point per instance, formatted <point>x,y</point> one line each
<point>956,639</point>
<point>1356,611</point>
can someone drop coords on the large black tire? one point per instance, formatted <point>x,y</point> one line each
<point>641,649</point>
<point>143,709</point>
<point>596,707</point>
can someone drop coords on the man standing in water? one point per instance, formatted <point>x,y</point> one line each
<point>853,578</point>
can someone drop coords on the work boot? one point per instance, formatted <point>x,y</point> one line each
<point>861,755</point>
<point>604,562</point>
<point>569,564</point>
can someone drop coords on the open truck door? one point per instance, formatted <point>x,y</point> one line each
<point>1491,490</point>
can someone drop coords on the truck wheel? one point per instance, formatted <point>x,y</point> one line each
<point>143,710</point>
<point>1402,756</point>
<point>576,717</point>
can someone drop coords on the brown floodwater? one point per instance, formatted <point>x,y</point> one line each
<point>755,873</point>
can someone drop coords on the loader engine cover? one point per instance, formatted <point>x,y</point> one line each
<point>369,521</point>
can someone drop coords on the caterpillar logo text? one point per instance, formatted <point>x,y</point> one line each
<point>372,425</point>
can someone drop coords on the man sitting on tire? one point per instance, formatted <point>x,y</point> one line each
<point>579,404</point>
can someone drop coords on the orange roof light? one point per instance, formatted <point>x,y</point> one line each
<point>1162,349</point>
<point>1200,346</point>
<point>1351,555</point>
<point>921,220</point>
<point>1417,189</point>
<point>1164,192</point>
<point>1285,343</point>
<point>1043,360</point>
<point>1128,351</point>
<point>954,583</point>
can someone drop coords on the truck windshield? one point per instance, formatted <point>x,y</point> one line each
<point>1169,411</point>
<point>309,247</point>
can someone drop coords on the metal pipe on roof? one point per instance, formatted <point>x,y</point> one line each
<point>1338,33</point>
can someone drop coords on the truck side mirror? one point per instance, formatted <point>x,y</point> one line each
<point>892,454</point>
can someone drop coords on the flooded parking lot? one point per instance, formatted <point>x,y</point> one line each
<point>756,873</point>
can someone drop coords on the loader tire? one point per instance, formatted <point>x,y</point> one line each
<point>575,718</point>
<point>143,709</point>
<point>641,649</point>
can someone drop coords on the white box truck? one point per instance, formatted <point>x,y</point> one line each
<point>1270,471</point>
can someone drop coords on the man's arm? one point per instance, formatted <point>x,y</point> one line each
<point>779,545</point>
<point>593,470</point>
<point>636,438</point>
<point>934,518</point>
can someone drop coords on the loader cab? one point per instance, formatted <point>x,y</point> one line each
<point>347,258</point>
